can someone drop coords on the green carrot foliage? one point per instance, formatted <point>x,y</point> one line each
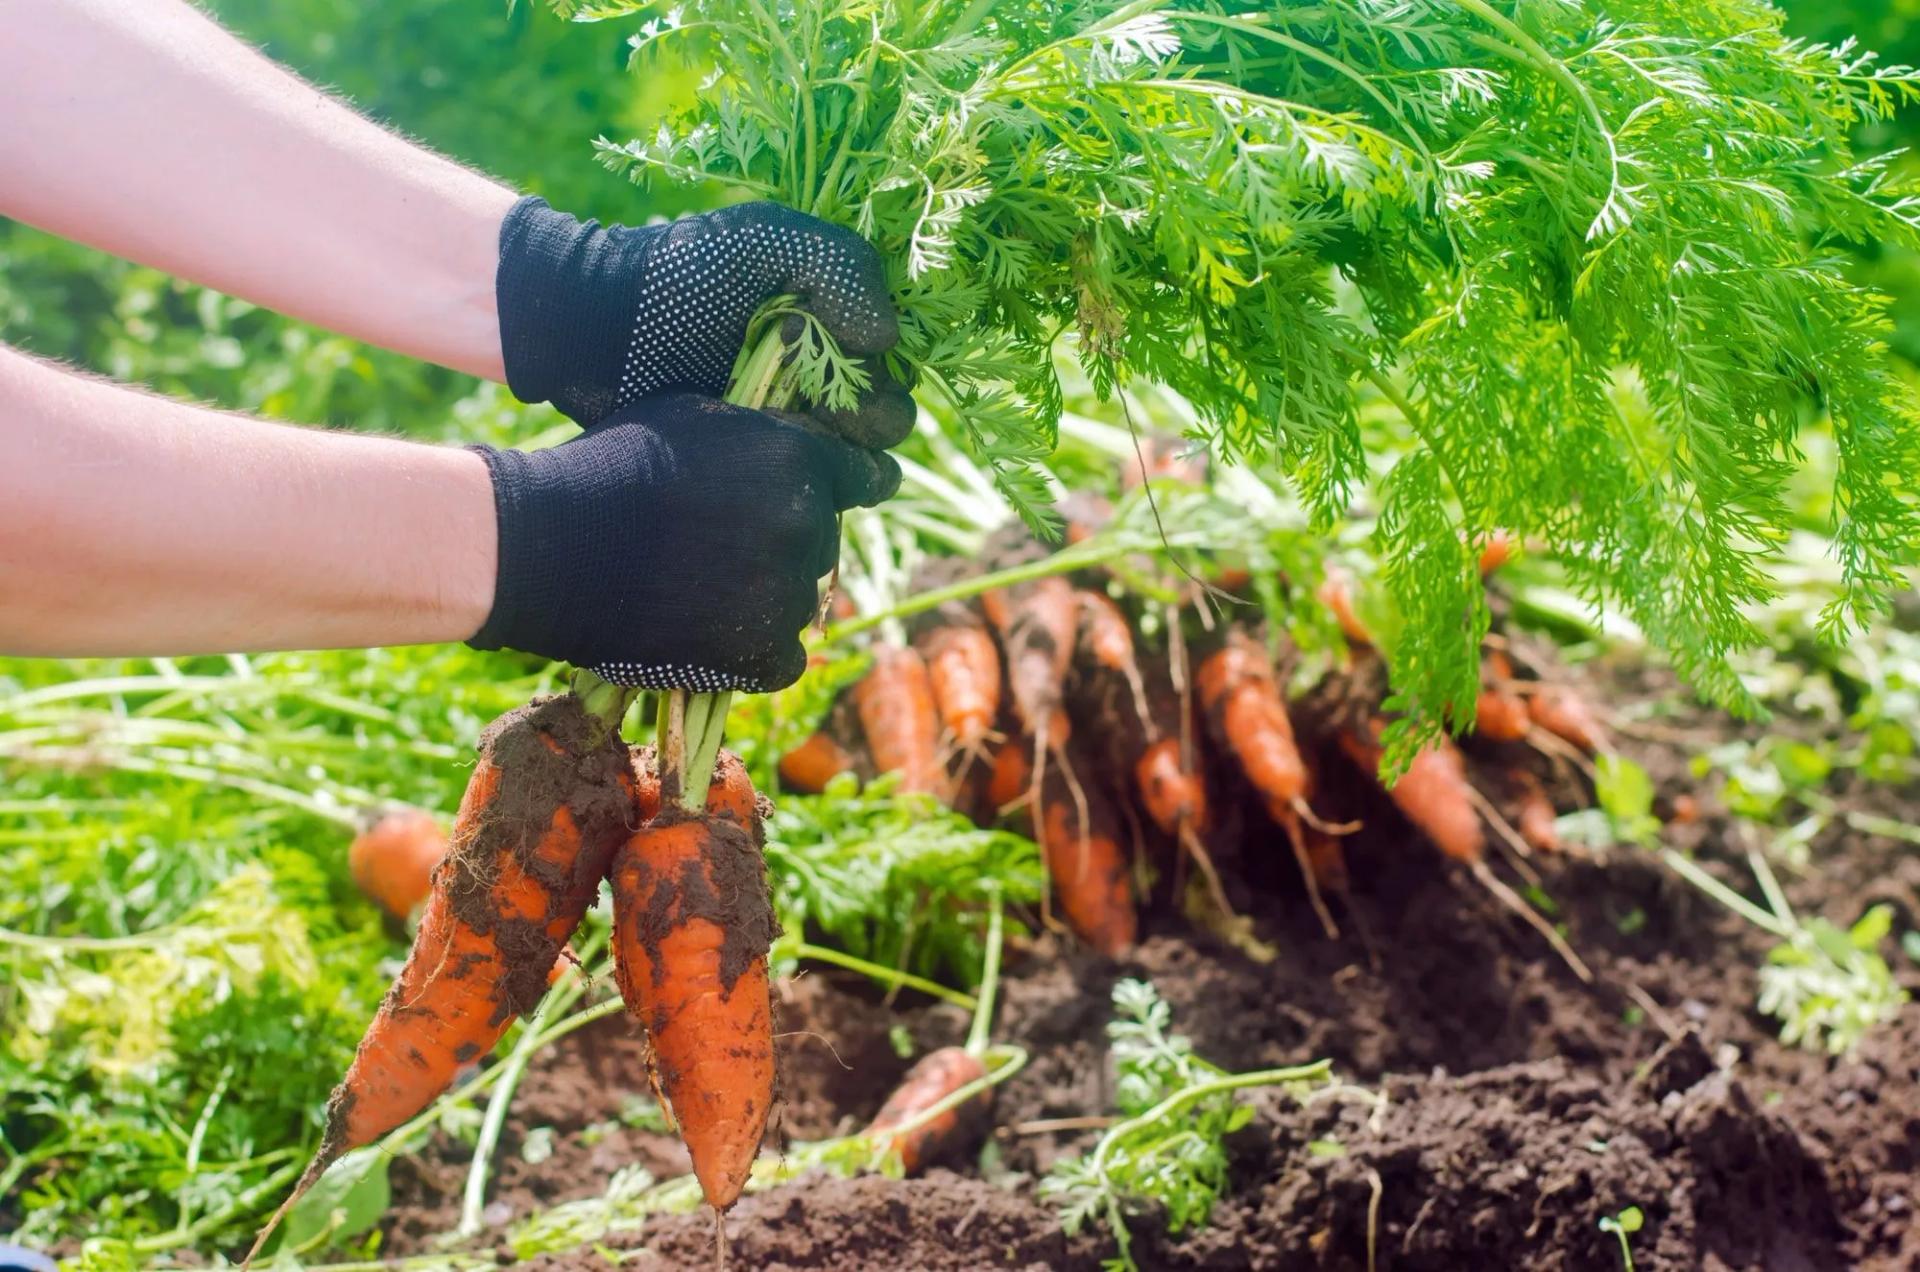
<point>1590,255</point>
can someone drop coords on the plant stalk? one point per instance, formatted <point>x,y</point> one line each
<point>692,725</point>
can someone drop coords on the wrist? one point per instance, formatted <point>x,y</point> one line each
<point>470,565</point>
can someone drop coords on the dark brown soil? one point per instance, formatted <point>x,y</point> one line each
<point>1499,1109</point>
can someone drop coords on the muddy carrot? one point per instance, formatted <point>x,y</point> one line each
<point>392,860</point>
<point>1536,818</point>
<point>1171,795</point>
<point>692,925</point>
<point>809,767</point>
<point>936,1076</point>
<point>1088,866</point>
<point>1435,795</point>
<point>897,716</point>
<point>1106,637</point>
<point>963,665</point>
<point>1038,623</point>
<point>546,807</point>
<point>1244,708</point>
<point>1566,715</point>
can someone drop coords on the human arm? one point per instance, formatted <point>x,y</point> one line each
<point>160,137</point>
<point>677,546</point>
<point>133,524</point>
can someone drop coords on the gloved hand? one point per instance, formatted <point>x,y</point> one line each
<point>677,546</point>
<point>595,318</point>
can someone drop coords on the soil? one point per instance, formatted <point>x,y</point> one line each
<point>1497,1108</point>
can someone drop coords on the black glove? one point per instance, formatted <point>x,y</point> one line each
<point>677,546</point>
<point>593,319</point>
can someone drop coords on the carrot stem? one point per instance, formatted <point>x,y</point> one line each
<point>982,1025</point>
<point>692,725</point>
<point>474,1200</point>
<point>885,975</point>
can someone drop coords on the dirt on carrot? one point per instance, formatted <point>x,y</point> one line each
<point>693,921</point>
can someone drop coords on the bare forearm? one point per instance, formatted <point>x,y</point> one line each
<point>151,133</point>
<point>130,524</point>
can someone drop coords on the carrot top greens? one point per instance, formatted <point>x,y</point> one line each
<point>1576,265</point>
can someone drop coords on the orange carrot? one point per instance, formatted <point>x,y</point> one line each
<point>937,1075</point>
<point>1536,818</point>
<point>1433,794</point>
<point>1012,772</point>
<point>1242,701</point>
<point>963,664</point>
<point>1336,593</point>
<point>1500,716</point>
<point>1499,547</point>
<point>807,768</point>
<point>543,813</point>
<point>392,860</point>
<point>1088,868</point>
<point>897,715</point>
<point>1037,622</point>
<point>692,925</point>
<point>1171,794</point>
<point>1160,457</point>
<point>1566,715</point>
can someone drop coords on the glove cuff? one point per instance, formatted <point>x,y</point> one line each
<point>527,612</point>
<point>564,291</point>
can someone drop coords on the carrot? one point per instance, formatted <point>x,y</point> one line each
<point>1038,623</point>
<point>1537,816</point>
<point>1432,794</point>
<point>1106,636</point>
<point>1336,593</point>
<point>392,860</point>
<point>692,925</point>
<point>1243,705</point>
<point>1566,715</point>
<point>1172,795</point>
<point>1500,716</point>
<point>1012,773</point>
<point>548,802</point>
<point>1160,457</point>
<point>1435,795</point>
<point>963,665</point>
<point>937,1075</point>
<point>1088,867</point>
<point>897,715</point>
<point>819,759</point>
<point>1494,554</point>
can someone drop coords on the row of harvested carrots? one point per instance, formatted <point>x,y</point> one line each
<point>1001,706</point>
